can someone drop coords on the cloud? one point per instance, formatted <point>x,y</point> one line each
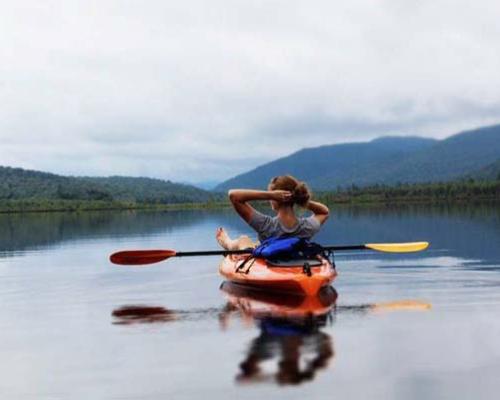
<point>199,90</point>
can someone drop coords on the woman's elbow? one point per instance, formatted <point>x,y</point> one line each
<point>323,217</point>
<point>325,211</point>
<point>233,197</point>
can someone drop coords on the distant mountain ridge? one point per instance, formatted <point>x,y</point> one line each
<point>18,184</point>
<point>385,160</point>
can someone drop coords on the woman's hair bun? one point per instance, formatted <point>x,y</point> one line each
<point>301,194</point>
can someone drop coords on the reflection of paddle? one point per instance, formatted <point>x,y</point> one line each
<point>128,315</point>
<point>398,305</point>
<point>401,305</point>
<point>142,257</point>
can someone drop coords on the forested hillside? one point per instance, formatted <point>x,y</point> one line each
<point>20,184</point>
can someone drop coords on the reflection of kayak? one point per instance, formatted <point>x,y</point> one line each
<point>259,304</point>
<point>304,277</point>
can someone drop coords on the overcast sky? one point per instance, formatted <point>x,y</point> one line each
<point>203,90</point>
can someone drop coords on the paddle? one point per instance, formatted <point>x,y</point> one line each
<point>142,257</point>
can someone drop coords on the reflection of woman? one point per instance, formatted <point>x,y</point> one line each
<point>289,342</point>
<point>290,332</point>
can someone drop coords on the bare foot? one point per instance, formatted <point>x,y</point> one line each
<point>224,239</point>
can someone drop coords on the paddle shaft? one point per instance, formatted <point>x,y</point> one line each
<point>247,251</point>
<point>142,257</point>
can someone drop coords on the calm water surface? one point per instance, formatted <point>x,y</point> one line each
<point>73,326</point>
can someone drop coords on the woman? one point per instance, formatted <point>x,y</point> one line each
<point>284,192</point>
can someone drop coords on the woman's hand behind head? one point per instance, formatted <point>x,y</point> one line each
<point>281,196</point>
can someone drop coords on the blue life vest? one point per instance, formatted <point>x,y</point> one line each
<point>287,248</point>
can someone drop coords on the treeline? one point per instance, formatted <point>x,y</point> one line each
<point>446,191</point>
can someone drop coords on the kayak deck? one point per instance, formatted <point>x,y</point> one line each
<point>288,278</point>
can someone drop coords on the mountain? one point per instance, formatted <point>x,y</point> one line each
<point>333,165</point>
<point>386,160</point>
<point>451,158</point>
<point>17,183</point>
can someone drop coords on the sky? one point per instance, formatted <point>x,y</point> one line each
<point>197,91</point>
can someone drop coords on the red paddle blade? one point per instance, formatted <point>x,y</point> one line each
<point>140,257</point>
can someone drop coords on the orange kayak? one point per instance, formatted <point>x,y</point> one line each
<point>303,277</point>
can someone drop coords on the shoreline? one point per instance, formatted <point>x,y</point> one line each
<point>23,206</point>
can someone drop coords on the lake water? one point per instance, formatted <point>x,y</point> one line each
<point>74,326</point>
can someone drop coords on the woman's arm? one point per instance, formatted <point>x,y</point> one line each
<point>240,198</point>
<point>320,211</point>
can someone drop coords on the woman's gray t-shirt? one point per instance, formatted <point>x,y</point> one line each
<point>267,227</point>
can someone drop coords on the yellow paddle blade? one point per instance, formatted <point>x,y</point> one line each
<point>398,247</point>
